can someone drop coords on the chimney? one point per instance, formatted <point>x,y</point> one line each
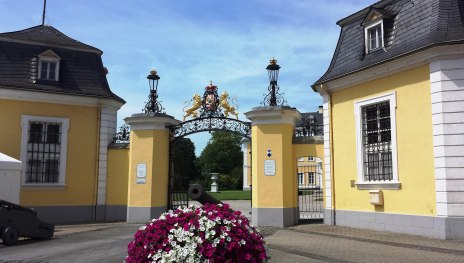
<point>321,110</point>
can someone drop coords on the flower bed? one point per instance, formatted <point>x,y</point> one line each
<point>212,233</point>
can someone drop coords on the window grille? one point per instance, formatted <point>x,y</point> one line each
<point>43,152</point>
<point>376,132</point>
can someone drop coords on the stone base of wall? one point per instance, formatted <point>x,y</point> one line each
<point>114,213</point>
<point>279,217</point>
<point>65,214</point>
<point>430,226</point>
<point>81,214</point>
<point>328,217</point>
<point>143,214</point>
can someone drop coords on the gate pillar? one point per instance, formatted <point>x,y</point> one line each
<point>148,166</point>
<point>274,201</point>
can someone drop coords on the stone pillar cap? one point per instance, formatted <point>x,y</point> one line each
<point>150,121</point>
<point>273,115</point>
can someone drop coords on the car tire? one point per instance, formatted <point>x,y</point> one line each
<point>10,236</point>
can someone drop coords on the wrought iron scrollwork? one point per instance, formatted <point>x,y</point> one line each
<point>274,98</point>
<point>153,104</point>
<point>211,124</point>
<point>123,136</point>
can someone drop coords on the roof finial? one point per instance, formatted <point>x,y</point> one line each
<point>43,13</point>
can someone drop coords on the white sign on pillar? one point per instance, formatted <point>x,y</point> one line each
<point>141,173</point>
<point>269,167</point>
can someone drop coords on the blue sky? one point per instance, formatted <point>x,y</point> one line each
<point>192,42</point>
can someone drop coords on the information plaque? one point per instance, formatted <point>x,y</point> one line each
<point>141,170</point>
<point>269,167</point>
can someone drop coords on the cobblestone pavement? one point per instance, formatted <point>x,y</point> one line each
<point>323,243</point>
<point>302,243</point>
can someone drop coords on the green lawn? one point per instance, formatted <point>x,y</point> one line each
<point>232,195</point>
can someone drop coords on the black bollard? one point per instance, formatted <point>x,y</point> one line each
<point>195,192</point>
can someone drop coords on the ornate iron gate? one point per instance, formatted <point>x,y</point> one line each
<point>310,192</point>
<point>209,113</point>
<point>178,185</point>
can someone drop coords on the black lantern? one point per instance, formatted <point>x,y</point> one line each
<point>274,98</point>
<point>273,71</point>
<point>153,105</point>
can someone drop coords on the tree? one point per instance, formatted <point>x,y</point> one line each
<point>183,160</point>
<point>223,154</point>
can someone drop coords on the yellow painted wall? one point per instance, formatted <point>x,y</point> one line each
<point>305,150</point>
<point>118,176</point>
<point>414,144</point>
<point>152,148</point>
<point>268,191</point>
<point>81,167</point>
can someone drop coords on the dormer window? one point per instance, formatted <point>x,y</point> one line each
<point>373,31</point>
<point>49,66</point>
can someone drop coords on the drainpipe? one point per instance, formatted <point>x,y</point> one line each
<point>331,149</point>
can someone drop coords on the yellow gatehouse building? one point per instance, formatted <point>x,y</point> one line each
<point>59,116</point>
<point>394,119</point>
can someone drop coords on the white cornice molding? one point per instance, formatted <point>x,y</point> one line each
<point>149,121</point>
<point>46,97</point>
<point>273,115</point>
<point>401,64</point>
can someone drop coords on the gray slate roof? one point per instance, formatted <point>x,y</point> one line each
<point>412,26</point>
<point>81,67</point>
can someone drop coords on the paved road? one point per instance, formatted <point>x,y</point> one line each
<point>85,243</point>
<point>94,243</point>
<point>302,243</point>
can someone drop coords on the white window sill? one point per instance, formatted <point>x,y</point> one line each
<point>380,185</point>
<point>43,186</point>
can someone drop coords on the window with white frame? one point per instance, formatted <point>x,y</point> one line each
<point>43,149</point>
<point>49,66</point>
<point>312,178</point>
<point>311,158</point>
<point>301,180</point>
<point>48,70</point>
<point>374,36</point>
<point>376,140</point>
